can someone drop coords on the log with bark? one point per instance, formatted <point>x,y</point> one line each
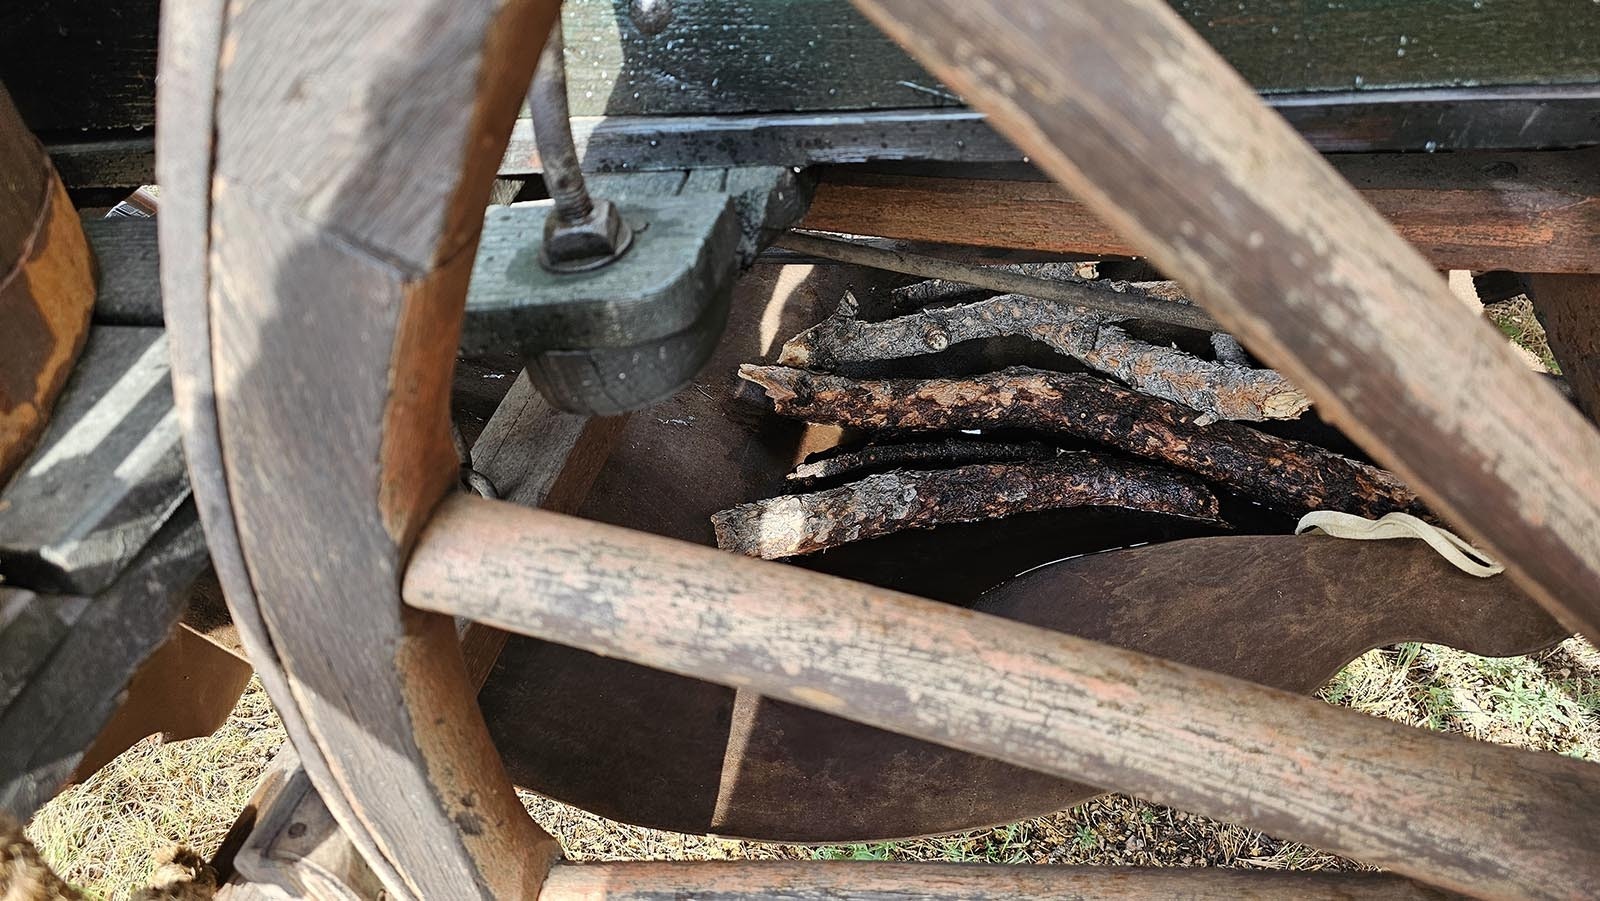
<point>881,504</point>
<point>920,454</point>
<point>1226,390</point>
<point>1288,475</point>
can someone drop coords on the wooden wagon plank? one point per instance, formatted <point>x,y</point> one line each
<point>56,709</point>
<point>1495,119</point>
<point>77,67</point>
<point>107,474</point>
<point>1526,212</point>
<point>1465,815</point>
<point>1138,117</point>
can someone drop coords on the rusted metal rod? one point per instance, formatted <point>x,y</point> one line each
<point>552,131</point>
<point>1097,299</point>
<point>1465,815</point>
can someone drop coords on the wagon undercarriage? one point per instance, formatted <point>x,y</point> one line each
<point>1029,395</point>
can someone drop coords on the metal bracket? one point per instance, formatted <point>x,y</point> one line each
<point>633,332</point>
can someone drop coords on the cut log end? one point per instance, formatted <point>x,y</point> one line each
<point>882,504</point>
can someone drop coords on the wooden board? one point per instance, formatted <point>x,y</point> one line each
<point>76,65</point>
<point>185,689</point>
<point>1403,120</point>
<point>1569,308</point>
<point>60,706</point>
<point>726,56</point>
<point>1526,212</point>
<point>108,471</point>
<point>811,881</point>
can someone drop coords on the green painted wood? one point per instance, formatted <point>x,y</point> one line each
<point>727,56</point>
<point>87,65</point>
<point>1332,45</point>
<point>75,65</point>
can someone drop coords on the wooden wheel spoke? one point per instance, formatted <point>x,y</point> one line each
<point>1281,250</point>
<point>1465,815</point>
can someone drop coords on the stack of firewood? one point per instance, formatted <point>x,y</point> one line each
<point>1136,414</point>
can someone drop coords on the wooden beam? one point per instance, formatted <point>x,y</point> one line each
<point>1526,212</point>
<point>1464,815</point>
<point>82,70</point>
<point>68,661</point>
<point>819,881</point>
<point>1569,309</point>
<point>1127,107</point>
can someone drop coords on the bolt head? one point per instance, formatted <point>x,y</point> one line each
<point>598,239</point>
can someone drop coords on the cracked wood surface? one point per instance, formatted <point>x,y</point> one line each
<point>796,524</point>
<point>1290,475</point>
<point>1223,389</point>
<point>1462,814</point>
<point>918,455</point>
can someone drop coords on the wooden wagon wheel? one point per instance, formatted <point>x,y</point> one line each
<point>327,167</point>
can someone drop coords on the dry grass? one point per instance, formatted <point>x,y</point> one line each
<point>104,833</point>
<point>1515,318</point>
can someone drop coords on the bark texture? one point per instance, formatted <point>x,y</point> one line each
<point>894,501</point>
<point>949,452</point>
<point>1225,390</point>
<point>1290,475</point>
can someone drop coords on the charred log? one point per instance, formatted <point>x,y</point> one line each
<point>1225,390</point>
<point>1289,475</point>
<point>890,502</point>
<point>923,454</point>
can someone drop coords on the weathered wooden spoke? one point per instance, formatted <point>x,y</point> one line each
<point>1286,255</point>
<point>1464,815</point>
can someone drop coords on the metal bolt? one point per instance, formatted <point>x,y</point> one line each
<point>651,17</point>
<point>581,233</point>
